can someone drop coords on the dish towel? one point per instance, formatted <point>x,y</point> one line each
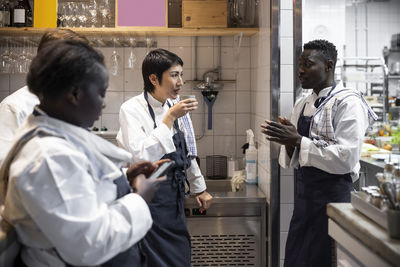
<point>188,131</point>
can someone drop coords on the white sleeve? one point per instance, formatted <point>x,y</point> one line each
<point>67,205</point>
<point>8,124</point>
<point>196,179</point>
<point>284,160</point>
<point>133,137</point>
<point>350,124</point>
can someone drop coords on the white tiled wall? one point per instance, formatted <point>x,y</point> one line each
<point>260,92</point>
<point>286,105</point>
<point>231,111</point>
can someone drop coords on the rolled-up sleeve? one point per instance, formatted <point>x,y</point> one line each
<point>195,178</point>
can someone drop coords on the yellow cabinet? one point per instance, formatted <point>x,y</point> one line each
<point>45,14</point>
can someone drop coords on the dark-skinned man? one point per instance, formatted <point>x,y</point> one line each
<point>322,141</point>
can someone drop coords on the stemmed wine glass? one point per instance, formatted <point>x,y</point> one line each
<point>132,56</point>
<point>148,42</point>
<point>105,12</point>
<point>93,13</point>
<point>5,57</point>
<point>115,61</point>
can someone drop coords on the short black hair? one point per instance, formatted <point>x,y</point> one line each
<point>327,49</point>
<point>60,34</point>
<point>61,65</point>
<point>157,62</point>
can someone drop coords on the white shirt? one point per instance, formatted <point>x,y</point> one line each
<point>13,111</point>
<point>350,123</point>
<point>61,195</point>
<point>138,136</point>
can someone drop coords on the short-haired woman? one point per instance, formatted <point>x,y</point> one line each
<point>152,128</point>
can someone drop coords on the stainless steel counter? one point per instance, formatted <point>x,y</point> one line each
<point>370,167</point>
<point>361,241</point>
<point>251,194</point>
<point>372,162</point>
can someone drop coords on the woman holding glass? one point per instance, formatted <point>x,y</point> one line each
<point>152,128</point>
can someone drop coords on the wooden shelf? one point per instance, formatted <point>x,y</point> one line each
<point>135,31</point>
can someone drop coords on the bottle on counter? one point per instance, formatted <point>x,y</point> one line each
<point>388,171</point>
<point>4,14</point>
<point>232,166</point>
<point>19,15</point>
<point>29,14</point>
<point>251,159</point>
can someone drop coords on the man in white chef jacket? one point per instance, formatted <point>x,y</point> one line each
<point>323,142</point>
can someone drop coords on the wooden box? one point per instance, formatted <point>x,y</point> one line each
<point>204,13</point>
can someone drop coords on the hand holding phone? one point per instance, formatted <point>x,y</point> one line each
<point>163,169</point>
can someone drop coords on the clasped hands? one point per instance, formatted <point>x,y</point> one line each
<point>282,132</point>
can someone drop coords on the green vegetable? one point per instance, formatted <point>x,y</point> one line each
<point>396,137</point>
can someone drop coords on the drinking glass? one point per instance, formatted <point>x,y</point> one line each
<point>148,42</point>
<point>132,56</point>
<point>82,15</point>
<point>115,61</point>
<point>104,7</point>
<point>5,57</point>
<point>92,7</point>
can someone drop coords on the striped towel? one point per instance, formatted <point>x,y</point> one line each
<point>321,128</point>
<point>188,131</point>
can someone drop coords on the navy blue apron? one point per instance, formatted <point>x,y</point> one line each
<point>308,243</point>
<point>168,241</point>
<point>130,257</point>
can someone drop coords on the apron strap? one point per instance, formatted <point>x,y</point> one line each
<point>146,97</point>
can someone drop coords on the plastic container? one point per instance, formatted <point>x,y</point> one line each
<point>216,167</point>
<point>251,160</point>
<point>232,166</point>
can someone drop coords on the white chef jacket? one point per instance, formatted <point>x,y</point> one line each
<point>138,136</point>
<point>13,111</point>
<point>61,198</point>
<point>350,123</point>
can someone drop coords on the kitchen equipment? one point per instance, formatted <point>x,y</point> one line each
<point>394,223</point>
<point>209,97</point>
<point>395,68</point>
<point>242,13</point>
<point>232,232</point>
<point>204,14</point>
<point>216,167</point>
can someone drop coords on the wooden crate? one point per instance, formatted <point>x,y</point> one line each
<point>204,13</point>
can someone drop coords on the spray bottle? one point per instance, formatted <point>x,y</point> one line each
<point>251,159</point>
